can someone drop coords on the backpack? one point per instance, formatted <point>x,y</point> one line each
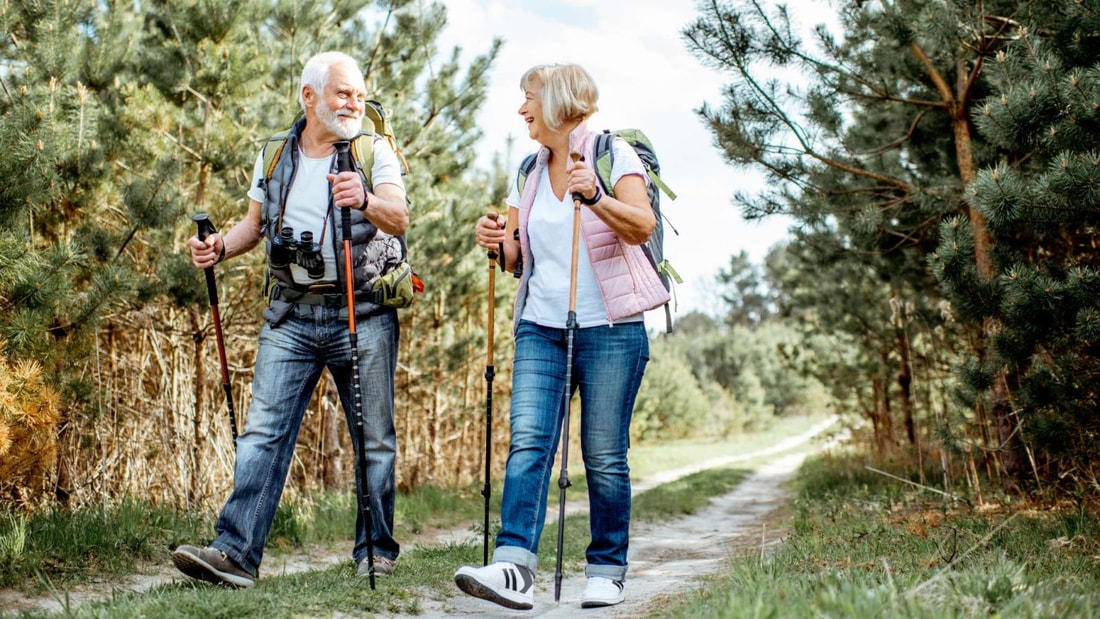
<point>362,151</point>
<point>604,154</point>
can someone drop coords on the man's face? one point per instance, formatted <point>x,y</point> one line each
<point>340,106</point>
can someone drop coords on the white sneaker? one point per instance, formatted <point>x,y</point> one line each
<point>602,592</point>
<point>504,583</point>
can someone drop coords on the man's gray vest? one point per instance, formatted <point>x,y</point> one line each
<point>373,252</point>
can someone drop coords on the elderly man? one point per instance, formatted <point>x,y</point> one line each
<point>307,326</point>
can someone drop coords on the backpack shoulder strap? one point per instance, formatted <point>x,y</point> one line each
<point>362,152</point>
<point>376,113</point>
<point>271,151</point>
<point>525,168</point>
<point>605,158</point>
<point>604,163</point>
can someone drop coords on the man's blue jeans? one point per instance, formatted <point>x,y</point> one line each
<point>608,363</point>
<point>289,363</point>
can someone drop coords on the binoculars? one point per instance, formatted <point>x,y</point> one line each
<point>303,252</point>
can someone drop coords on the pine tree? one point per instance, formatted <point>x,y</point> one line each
<point>63,268</point>
<point>880,159</point>
<point>867,155</point>
<point>1042,202</point>
<point>120,122</point>
<point>743,292</point>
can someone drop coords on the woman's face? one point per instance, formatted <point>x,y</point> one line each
<point>531,111</point>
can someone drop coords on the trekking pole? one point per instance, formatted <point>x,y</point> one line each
<point>344,164</point>
<point>570,331</point>
<point>486,490</point>
<point>206,228</point>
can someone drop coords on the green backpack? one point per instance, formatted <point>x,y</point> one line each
<point>604,154</point>
<point>362,151</point>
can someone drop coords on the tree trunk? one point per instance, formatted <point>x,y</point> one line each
<point>880,416</point>
<point>1001,406</point>
<point>958,101</point>
<point>332,451</point>
<point>905,371</point>
<point>887,412</point>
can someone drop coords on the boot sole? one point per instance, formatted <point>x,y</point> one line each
<point>201,570</point>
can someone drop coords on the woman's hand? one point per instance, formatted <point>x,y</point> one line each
<point>489,231</point>
<point>583,183</point>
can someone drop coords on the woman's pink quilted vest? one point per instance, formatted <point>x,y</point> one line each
<point>627,279</point>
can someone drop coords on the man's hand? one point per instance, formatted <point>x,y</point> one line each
<point>347,190</point>
<point>206,253</point>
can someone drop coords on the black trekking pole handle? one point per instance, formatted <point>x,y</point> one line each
<point>205,229</point>
<point>344,164</point>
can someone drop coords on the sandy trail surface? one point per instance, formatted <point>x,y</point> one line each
<point>666,559</point>
<point>669,558</point>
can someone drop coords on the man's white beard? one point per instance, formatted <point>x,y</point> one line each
<point>347,127</point>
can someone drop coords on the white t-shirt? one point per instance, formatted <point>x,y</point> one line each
<point>307,202</point>
<point>550,233</point>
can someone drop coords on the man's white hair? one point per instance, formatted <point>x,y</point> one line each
<point>316,72</point>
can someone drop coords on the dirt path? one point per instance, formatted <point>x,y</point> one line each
<point>666,559</point>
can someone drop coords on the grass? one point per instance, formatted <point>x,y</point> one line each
<point>647,460</point>
<point>425,570</point>
<point>64,547</point>
<point>60,550</point>
<point>686,495</point>
<point>863,545</point>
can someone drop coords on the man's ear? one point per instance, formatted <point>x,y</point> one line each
<point>308,96</point>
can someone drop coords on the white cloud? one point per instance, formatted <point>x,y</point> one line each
<point>648,80</point>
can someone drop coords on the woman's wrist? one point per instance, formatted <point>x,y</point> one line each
<point>594,199</point>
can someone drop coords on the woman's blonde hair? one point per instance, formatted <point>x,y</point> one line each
<point>568,92</point>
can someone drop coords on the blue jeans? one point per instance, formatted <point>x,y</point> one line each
<point>608,363</point>
<point>289,363</point>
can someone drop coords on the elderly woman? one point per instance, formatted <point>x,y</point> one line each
<point>614,285</point>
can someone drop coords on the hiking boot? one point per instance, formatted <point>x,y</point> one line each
<point>382,567</point>
<point>210,565</point>
<point>504,583</point>
<point>602,592</point>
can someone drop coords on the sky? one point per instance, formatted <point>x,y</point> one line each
<point>647,79</point>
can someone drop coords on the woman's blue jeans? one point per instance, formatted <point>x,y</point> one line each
<point>608,363</point>
<point>289,363</point>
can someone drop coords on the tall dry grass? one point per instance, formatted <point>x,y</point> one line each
<point>158,427</point>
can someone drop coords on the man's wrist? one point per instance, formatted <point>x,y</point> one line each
<point>366,203</point>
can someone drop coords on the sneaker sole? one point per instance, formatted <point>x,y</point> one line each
<point>474,587</point>
<point>201,570</point>
<point>600,603</point>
